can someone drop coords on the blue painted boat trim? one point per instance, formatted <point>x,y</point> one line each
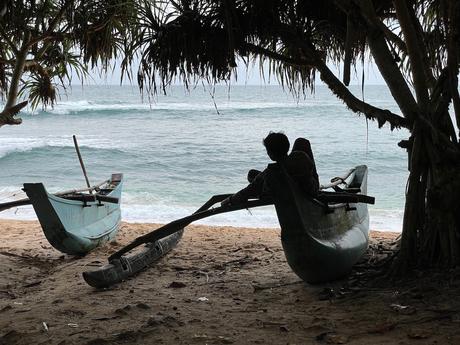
<point>69,226</point>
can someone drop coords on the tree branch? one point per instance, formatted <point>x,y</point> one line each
<point>453,48</point>
<point>349,41</point>
<point>391,36</point>
<point>52,26</point>
<point>255,49</point>
<point>355,104</point>
<point>415,51</point>
<point>339,89</point>
<point>430,79</point>
<point>7,115</point>
<point>5,36</point>
<point>386,64</point>
<point>17,73</point>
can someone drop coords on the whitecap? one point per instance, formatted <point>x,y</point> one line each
<point>85,106</point>
<point>9,145</point>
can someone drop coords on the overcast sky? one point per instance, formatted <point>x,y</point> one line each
<point>252,76</point>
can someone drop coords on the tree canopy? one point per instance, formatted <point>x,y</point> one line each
<point>414,44</point>
<point>42,42</point>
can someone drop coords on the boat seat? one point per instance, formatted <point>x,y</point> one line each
<point>344,197</point>
<point>352,190</point>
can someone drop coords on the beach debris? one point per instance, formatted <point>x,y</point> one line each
<point>128,335</point>
<point>398,307</point>
<point>260,287</point>
<point>272,323</point>
<point>25,310</point>
<point>383,327</point>
<point>142,306</point>
<point>11,337</point>
<point>456,317</point>
<point>154,321</point>
<point>200,337</point>
<point>205,274</point>
<point>403,309</point>
<point>236,262</point>
<point>9,293</point>
<point>122,311</point>
<point>202,299</point>
<point>45,326</point>
<point>105,318</point>
<point>332,338</point>
<point>168,321</point>
<point>73,325</point>
<point>224,340</point>
<point>419,333</point>
<point>321,336</point>
<point>97,341</point>
<point>31,284</point>
<point>215,340</point>
<point>177,285</point>
<point>284,328</point>
<point>5,308</point>
<point>326,294</point>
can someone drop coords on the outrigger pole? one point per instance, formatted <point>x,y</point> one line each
<point>157,244</point>
<point>205,211</point>
<point>177,225</point>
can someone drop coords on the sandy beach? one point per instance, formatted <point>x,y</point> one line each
<point>221,285</point>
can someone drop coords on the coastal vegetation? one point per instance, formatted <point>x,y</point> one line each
<point>45,43</point>
<point>414,44</point>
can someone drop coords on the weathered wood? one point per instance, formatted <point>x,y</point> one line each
<point>125,266</point>
<point>337,180</point>
<point>81,161</point>
<point>26,201</point>
<point>77,226</point>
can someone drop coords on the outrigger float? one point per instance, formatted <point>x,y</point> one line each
<point>322,237</point>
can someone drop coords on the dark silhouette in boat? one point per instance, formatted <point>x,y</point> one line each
<point>303,145</point>
<point>299,165</point>
<point>323,233</point>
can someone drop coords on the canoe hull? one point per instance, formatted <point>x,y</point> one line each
<point>75,227</point>
<point>321,245</point>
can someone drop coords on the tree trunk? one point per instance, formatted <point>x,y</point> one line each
<point>6,118</point>
<point>431,226</point>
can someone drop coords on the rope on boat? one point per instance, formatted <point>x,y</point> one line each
<point>338,180</point>
<point>6,201</point>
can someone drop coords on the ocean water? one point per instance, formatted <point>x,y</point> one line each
<point>177,150</point>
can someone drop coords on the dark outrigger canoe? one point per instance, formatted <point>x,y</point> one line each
<point>73,222</point>
<point>322,237</point>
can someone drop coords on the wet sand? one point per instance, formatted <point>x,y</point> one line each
<point>221,285</point>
